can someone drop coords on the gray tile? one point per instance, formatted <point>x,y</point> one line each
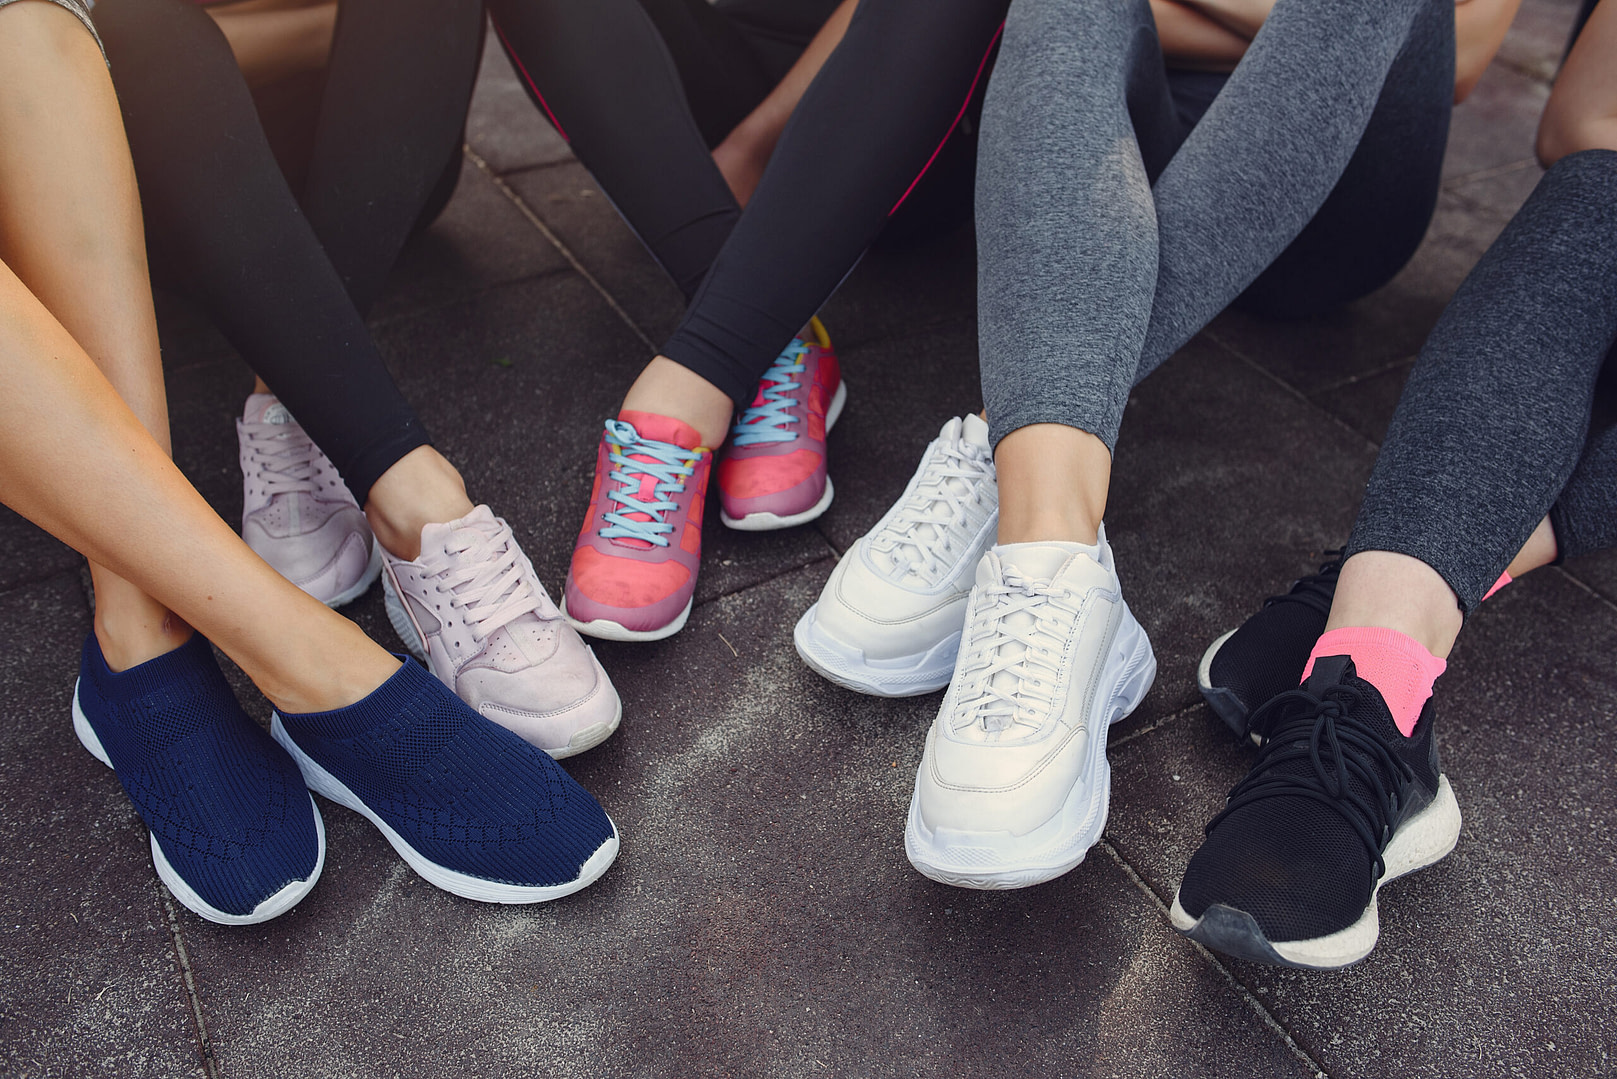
<point>1499,193</point>
<point>1511,933</point>
<point>32,553</point>
<point>1538,37</point>
<point>1224,487</point>
<point>1598,571</point>
<point>568,201</point>
<point>899,292</point>
<point>1497,124</point>
<point>504,127</point>
<point>481,239</point>
<point>1366,404</point>
<point>761,921</point>
<point>90,986</point>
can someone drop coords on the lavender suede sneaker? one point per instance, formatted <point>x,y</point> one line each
<point>471,607</point>
<point>297,513</point>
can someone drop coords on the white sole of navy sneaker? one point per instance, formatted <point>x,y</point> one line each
<point>906,676</point>
<point>464,885</point>
<point>270,907</point>
<point>1000,860</point>
<point>769,522</point>
<point>1425,838</point>
<point>373,570</point>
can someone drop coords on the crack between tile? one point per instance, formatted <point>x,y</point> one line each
<point>183,958</point>
<point>1599,596</point>
<point>1264,1014</point>
<point>1158,724</point>
<point>1452,182</point>
<point>767,580</point>
<point>1289,388</point>
<point>555,241</point>
<point>1365,376</point>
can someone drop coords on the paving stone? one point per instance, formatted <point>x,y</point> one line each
<point>1511,933</point>
<point>900,291</point>
<point>1224,489</point>
<point>568,201</point>
<point>32,553</point>
<point>90,987</point>
<point>1495,126</point>
<point>1499,194</point>
<point>504,127</point>
<point>534,367</point>
<point>1538,37</point>
<point>481,239</point>
<point>761,921</point>
<point>1366,404</point>
<point>1598,571</point>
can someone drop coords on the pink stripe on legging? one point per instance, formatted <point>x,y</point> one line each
<point>975,79</point>
<point>543,104</point>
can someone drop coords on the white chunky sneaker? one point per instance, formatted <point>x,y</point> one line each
<point>296,512</point>
<point>888,621</point>
<point>1014,783</point>
<point>471,607</point>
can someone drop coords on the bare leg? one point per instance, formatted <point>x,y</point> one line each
<point>70,222</point>
<point>1053,483</point>
<point>670,389</point>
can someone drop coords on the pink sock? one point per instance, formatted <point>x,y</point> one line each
<point>1398,666</point>
<point>1504,579</point>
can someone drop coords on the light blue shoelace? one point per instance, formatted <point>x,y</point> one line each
<point>769,421</point>
<point>669,466</point>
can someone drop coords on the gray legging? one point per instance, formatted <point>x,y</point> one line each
<point>1494,427</point>
<point>1108,234</point>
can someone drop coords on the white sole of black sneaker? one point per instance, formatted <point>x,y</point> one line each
<point>906,676</point>
<point>1000,860</point>
<point>271,906</point>
<point>464,885</point>
<point>1424,839</point>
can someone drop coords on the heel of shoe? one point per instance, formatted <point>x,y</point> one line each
<point>1139,671</point>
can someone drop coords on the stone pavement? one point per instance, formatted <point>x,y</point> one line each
<point>762,919</point>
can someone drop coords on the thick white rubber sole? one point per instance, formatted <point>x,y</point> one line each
<point>769,522</point>
<point>1425,838</point>
<point>1000,860</point>
<point>462,884</point>
<point>373,570</point>
<point>588,737</point>
<point>604,629</point>
<point>271,906</point>
<point>906,676</point>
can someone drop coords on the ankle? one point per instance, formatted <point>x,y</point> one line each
<point>669,389</point>
<point>421,488</point>
<point>1035,460</point>
<point>130,638</point>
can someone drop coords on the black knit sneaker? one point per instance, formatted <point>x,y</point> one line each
<point>1266,655</point>
<point>1338,803</point>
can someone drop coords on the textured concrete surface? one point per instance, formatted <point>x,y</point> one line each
<point>762,919</point>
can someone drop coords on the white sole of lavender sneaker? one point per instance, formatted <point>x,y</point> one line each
<point>1425,838</point>
<point>464,885</point>
<point>1000,860</point>
<point>373,570</point>
<point>847,666</point>
<point>271,906</point>
<point>770,522</point>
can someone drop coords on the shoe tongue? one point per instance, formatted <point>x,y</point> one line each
<point>662,428</point>
<point>266,408</point>
<point>974,431</point>
<point>436,534</point>
<point>1329,671</point>
<point>1042,561</point>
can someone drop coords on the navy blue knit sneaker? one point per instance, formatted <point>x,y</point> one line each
<point>1265,656</point>
<point>1339,802</point>
<point>234,834</point>
<point>470,806</point>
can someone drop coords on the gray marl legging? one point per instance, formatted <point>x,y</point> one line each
<point>1108,235</point>
<point>1494,427</point>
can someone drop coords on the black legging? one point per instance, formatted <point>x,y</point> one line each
<point>288,276</point>
<point>919,59</point>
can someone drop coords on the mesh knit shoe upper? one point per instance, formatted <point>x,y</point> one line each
<point>234,832</point>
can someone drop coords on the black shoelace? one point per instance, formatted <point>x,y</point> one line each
<point>1338,746</point>
<point>1316,589</point>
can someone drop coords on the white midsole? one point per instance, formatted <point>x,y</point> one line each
<point>902,676</point>
<point>462,884</point>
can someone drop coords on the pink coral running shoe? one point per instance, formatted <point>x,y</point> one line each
<point>773,471</point>
<point>297,514</point>
<point>634,568</point>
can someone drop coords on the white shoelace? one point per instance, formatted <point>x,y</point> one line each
<point>1014,643</point>
<point>282,457</point>
<point>930,530</point>
<point>485,577</point>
